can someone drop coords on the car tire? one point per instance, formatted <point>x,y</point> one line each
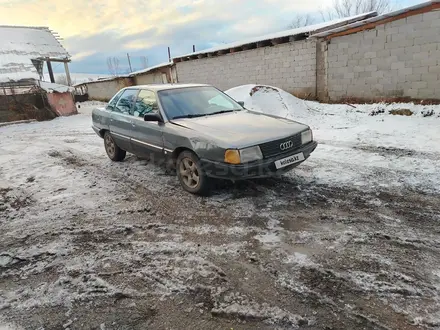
<point>113,151</point>
<point>191,175</point>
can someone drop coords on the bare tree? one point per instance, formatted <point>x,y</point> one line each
<point>144,62</point>
<point>113,65</point>
<point>346,8</point>
<point>300,21</point>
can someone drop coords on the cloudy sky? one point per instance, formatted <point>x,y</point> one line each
<point>94,30</point>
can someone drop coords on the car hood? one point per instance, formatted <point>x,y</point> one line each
<point>242,128</point>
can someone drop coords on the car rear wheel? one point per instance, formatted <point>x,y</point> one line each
<point>190,174</point>
<point>113,151</point>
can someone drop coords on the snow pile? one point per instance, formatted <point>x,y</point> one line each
<point>52,87</point>
<point>400,150</point>
<point>270,100</point>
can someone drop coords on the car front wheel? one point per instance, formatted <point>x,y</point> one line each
<point>191,175</point>
<point>113,151</point>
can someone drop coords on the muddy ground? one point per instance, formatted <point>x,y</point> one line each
<point>90,244</point>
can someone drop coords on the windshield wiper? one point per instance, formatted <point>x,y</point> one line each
<point>189,116</point>
<point>219,112</point>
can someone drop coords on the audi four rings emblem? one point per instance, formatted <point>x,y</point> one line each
<point>286,145</point>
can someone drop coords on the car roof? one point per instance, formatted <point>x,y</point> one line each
<point>160,87</point>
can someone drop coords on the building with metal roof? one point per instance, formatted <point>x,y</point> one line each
<point>25,49</point>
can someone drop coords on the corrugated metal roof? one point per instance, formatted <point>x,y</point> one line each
<point>20,44</point>
<point>373,19</point>
<point>287,33</point>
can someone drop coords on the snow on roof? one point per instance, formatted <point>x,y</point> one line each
<point>373,19</point>
<point>101,80</point>
<point>161,65</point>
<point>132,74</point>
<point>286,33</point>
<point>20,45</point>
<point>52,87</point>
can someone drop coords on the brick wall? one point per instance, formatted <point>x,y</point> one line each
<point>290,66</point>
<point>397,59</point>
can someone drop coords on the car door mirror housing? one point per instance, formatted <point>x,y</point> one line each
<point>241,103</point>
<point>153,117</point>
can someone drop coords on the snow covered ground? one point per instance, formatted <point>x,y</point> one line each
<point>348,240</point>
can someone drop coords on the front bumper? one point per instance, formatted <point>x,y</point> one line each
<point>258,169</point>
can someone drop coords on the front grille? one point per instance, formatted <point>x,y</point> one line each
<point>272,148</point>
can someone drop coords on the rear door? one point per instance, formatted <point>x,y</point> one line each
<point>148,136</point>
<point>121,119</point>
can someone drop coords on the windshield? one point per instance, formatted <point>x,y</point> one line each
<point>196,102</point>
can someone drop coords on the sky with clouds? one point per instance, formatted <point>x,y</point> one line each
<point>94,30</point>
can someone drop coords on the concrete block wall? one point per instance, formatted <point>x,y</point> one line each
<point>150,78</point>
<point>290,66</point>
<point>104,90</point>
<point>397,59</point>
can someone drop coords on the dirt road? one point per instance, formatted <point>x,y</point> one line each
<point>90,244</point>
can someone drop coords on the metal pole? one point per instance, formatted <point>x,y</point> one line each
<point>194,48</point>
<point>49,68</point>
<point>169,54</point>
<point>66,68</point>
<point>129,63</point>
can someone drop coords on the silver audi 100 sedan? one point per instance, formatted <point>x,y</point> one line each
<point>202,132</point>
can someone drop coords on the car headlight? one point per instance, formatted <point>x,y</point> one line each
<point>250,154</point>
<point>233,156</point>
<point>306,137</point>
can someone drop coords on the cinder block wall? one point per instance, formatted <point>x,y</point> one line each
<point>148,78</point>
<point>104,90</point>
<point>397,59</point>
<point>290,66</point>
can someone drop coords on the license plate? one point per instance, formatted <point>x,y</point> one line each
<point>289,160</point>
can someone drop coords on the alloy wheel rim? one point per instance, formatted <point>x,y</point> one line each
<point>109,145</point>
<point>189,173</point>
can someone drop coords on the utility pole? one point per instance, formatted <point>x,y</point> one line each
<point>129,63</point>
<point>194,48</point>
<point>169,54</point>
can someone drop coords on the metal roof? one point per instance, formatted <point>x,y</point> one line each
<point>307,30</point>
<point>374,19</point>
<point>20,45</point>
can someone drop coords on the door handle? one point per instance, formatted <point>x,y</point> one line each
<point>133,124</point>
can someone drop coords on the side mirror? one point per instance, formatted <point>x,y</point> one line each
<point>153,117</point>
<point>241,103</point>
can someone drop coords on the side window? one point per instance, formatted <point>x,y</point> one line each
<point>113,101</point>
<point>145,103</point>
<point>126,101</point>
